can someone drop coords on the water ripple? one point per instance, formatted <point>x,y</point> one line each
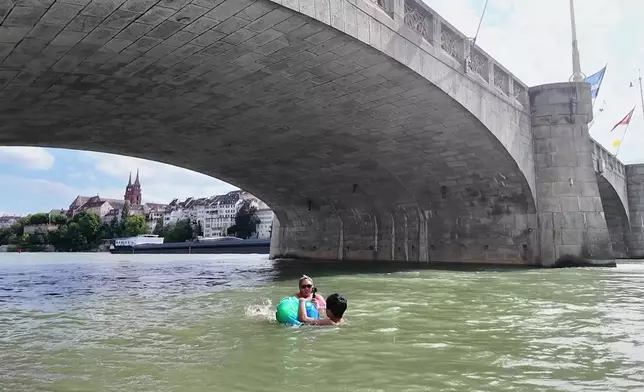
<point>203,323</point>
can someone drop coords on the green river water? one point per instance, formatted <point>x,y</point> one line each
<point>100,322</point>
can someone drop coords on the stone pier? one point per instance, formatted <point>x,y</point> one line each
<point>635,186</point>
<point>572,227</point>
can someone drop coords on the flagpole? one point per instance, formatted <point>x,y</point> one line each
<point>622,139</point>
<point>577,76</point>
<point>641,93</point>
<point>629,121</point>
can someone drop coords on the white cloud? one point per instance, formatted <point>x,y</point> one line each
<point>533,40</point>
<point>35,158</point>
<point>28,195</point>
<point>160,182</point>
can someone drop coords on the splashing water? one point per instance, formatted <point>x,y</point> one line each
<point>261,311</point>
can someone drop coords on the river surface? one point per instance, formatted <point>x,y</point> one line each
<point>101,322</point>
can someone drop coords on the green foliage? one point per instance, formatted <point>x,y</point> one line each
<point>182,231</point>
<point>83,232</point>
<point>40,218</point>
<point>58,219</point>
<point>8,236</point>
<point>246,221</point>
<point>158,228</point>
<point>134,225</point>
<point>125,212</point>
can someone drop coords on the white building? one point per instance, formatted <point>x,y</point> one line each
<point>7,221</point>
<point>217,213</point>
<point>265,215</point>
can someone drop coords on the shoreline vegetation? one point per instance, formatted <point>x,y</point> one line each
<point>84,232</point>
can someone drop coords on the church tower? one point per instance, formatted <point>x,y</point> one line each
<point>133,191</point>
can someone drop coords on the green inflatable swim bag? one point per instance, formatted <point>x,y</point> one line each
<point>288,308</point>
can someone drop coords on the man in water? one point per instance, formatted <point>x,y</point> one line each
<point>305,285</point>
<point>336,305</point>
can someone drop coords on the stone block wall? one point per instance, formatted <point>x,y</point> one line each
<point>635,186</point>
<point>408,234</point>
<point>569,209</point>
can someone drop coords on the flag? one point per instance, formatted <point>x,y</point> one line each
<point>617,143</point>
<point>595,82</point>
<point>625,121</point>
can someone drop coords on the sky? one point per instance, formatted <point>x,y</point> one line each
<point>530,38</point>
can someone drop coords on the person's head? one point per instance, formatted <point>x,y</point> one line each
<point>336,305</point>
<point>306,286</point>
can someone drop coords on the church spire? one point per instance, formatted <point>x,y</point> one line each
<point>136,182</point>
<point>129,182</point>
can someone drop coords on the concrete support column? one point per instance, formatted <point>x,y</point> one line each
<point>572,227</point>
<point>635,189</point>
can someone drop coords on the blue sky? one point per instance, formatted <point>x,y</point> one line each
<point>530,38</point>
<point>43,179</point>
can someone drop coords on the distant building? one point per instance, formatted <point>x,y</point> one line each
<point>100,206</point>
<point>266,216</point>
<point>217,213</point>
<point>133,191</point>
<point>108,209</point>
<point>7,221</point>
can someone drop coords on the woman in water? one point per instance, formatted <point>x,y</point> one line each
<point>309,292</point>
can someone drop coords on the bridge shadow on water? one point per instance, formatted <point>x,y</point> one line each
<point>288,269</point>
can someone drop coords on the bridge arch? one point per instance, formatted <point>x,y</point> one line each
<point>616,215</point>
<point>364,136</point>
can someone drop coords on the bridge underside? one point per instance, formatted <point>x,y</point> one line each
<point>359,156</point>
<point>616,218</point>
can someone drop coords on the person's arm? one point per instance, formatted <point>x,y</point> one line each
<point>301,312</point>
<point>301,315</point>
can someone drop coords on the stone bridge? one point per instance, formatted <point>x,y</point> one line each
<point>374,129</point>
<point>622,195</point>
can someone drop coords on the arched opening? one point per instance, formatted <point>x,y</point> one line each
<point>616,217</point>
<point>53,189</point>
<point>358,155</point>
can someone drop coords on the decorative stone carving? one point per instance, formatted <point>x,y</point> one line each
<point>501,80</point>
<point>419,20</point>
<point>451,43</point>
<point>518,92</point>
<point>479,63</point>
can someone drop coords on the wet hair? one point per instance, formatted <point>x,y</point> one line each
<point>302,279</point>
<point>336,304</point>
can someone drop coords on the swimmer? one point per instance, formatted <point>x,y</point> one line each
<point>309,292</point>
<point>336,305</point>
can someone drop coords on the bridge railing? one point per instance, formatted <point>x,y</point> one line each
<point>605,160</point>
<point>459,49</point>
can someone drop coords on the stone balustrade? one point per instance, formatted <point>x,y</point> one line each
<point>457,48</point>
<point>605,160</point>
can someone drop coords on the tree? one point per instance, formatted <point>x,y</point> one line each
<point>83,232</point>
<point>125,212</point>
<point>181,231</point>
<point>40,218</point>
<point>89,227</point>
<point>246,221</point>
<point>158,228</point>
<point>7,236</point>
<point>197,229</point>
<point>58,238</point>
<point>115,228</point>
<point>37,241</point>
<point>135,225</point>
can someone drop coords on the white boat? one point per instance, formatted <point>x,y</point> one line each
<point>131,242</point>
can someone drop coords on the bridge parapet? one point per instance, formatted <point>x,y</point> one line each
<point>604,160</point>
<point>439,37</point>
